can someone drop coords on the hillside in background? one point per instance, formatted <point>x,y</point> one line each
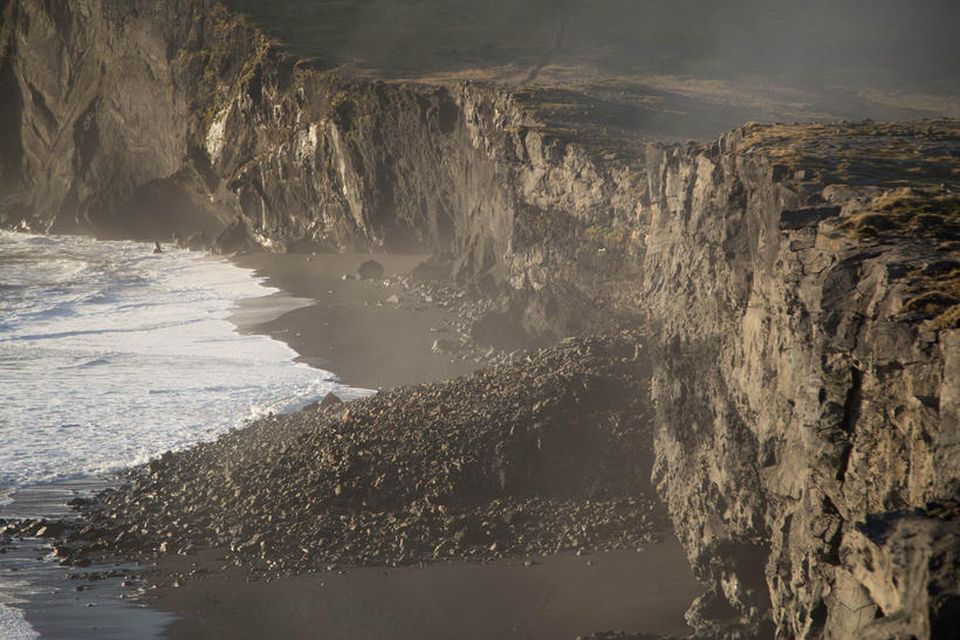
<point>844,58</point>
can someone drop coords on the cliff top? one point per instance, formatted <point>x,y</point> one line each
<point>861,153</point>
<point>893,185</point>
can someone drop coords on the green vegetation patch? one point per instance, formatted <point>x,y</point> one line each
<point>605,235</point>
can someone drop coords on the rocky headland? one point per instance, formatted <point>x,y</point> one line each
<point>798,285</point>
<point>812,266</point>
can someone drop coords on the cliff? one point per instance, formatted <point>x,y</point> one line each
<point>799,283</point>
<point>803,285</point>
<point>186,119</point>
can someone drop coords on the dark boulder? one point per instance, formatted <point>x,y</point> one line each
<point>370,270</point>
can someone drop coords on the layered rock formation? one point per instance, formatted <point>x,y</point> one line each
<point>799,282</point>
<point>806,382</point>
<point>183,118</point>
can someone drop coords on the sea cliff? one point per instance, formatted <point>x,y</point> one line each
<point>798,283</point>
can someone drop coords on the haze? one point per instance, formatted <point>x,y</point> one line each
<point>884,44</point>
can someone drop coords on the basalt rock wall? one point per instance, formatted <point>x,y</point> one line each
<point>804,304</point>
<point>800,283</point>
<point>147,119</point>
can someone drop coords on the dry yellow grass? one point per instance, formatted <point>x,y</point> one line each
<point>861,154</point>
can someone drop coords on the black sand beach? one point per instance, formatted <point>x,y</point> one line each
<point>369,344</point>
<point>692,307</point>
<point>351,328</point>
<point>95,601</point>
<point>348,326</point>
<point>559,597</point>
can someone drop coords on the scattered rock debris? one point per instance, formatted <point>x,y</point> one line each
<point>547,454</point>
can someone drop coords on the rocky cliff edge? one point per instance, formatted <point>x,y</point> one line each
<point>800,283</point>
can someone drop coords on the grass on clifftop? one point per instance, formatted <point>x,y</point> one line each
<point>908,212</point>
<point>860,154</point>
<point>907,178</point>
<point>929,216</point>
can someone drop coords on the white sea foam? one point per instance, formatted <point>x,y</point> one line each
<point>13,620</point>
<point>14,625</point>
<point>110,355</point>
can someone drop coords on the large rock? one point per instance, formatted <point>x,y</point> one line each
<point>908,562</point>
<point>370,270</point>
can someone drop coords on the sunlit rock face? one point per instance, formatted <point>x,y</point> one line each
<point>799,283</point>
<point>805,309</point>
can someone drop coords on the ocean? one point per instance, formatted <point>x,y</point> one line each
<point>111,354</point>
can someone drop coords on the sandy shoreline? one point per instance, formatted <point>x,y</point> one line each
<point>348,327</point>
<point>97,601</point>
<point>351,329</point>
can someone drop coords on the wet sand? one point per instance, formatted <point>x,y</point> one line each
<point>559,597</point>
<point>347,326</point>
<point>71,602</point>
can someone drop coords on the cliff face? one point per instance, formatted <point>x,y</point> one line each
<point>158,119</point>
<point>806,313</point>
<point>800,283</point>
<point>90,118</point>
<point>462,170</point>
